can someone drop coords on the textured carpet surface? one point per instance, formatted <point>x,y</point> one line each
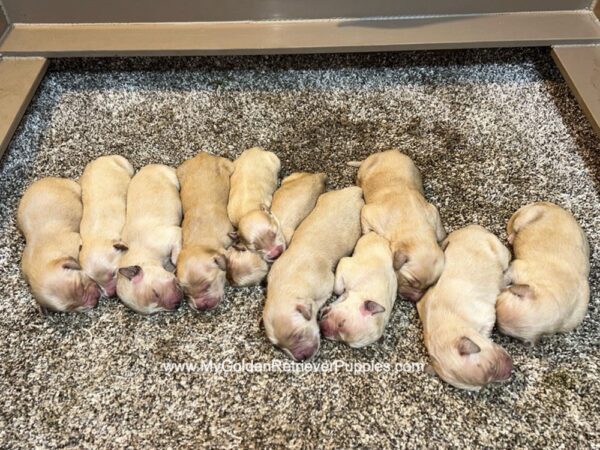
<point>490,131</point>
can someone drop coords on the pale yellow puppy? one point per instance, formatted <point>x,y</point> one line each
<point>458,313</point>
<point>367,286</point>
<point>549,290</point>
<point>146,282</point>
<point>48,216</point>
<point>397,210</point>
<point>204,194</point>
<point>302,280</point>
<point>104,186</point>
<point>253,182</point>
<point>292,202</point>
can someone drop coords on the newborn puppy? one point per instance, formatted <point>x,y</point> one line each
<point>154,237</point>
<point>549,290</point>
<point>301,281</point>
<point>396,210</point>
<point>292,202</point>
<point>458,313</point>
<point>48,216</point>
<point>201,264</point>
<point>367,285</point>
<point>253,182</point>
<point>104,194</point>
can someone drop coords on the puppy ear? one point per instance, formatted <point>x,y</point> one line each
<point>467,347</point>
<point>372,307</point>
<point>305,310</point>
<point>70,263</point>
<point>221,261</point>
<point>239,247</point>
<point>120,246</point>
<point>130,272</point>
<point>233,235</point>
<point>521,290</point>
<point>399,259</point>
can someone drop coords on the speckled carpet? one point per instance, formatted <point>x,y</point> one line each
<point>490,131</point>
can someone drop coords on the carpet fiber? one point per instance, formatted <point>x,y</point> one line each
<point>490,131</point>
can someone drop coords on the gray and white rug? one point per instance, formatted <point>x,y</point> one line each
<point>490,131</point>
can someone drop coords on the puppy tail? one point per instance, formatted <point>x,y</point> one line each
<point>354,163</point>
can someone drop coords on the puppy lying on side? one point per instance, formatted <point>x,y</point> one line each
<point>154,237</point>
<point>292,202</point>
<point>367,285</point>
<point>201,264</point>
<point>549,290</point>
<point>458,313</point>
<point>48,216</point>
<point>253,182</point>
<point>104,186</point>
<point>396,209</point>
<point>302,280</point>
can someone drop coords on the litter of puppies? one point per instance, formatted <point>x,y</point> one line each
<point>162,235</point>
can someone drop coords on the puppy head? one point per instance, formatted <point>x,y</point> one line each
<point>293,328</point>
<point>245,267</point>
<point>148,288</point>
<point>201,272</point>
<point>469,361</point>
<point>61,286</point>
<point>353,320</point>
<point>260,232</point>
<point>99,259</point>
<point>417,267</point>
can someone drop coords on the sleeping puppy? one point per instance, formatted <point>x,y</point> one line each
<point>292,202</point>
<point>458,313</point>
<point>549,290</point>
<point>302,280</point>
<point>367,285</point>
<point>104,186</point>
<point>253,182</point>
<point>154,237</point>
<point>48,216</point>
<point>396,210</point>
<point>201,264</point>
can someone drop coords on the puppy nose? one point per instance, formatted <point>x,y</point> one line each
<point>304,352</point>
<point>91,295</point>
<point>204,303</point>
<point>505,368</point>
<point>173,300</point>
<point>275,252</point>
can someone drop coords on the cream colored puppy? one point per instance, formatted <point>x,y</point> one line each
<point>549,290</point>
<point>253,182</point>
<point>48,216</point>
<point>367,285</point>
<point>104,186</point>
<point>154,237</point>
<point>458,313</point>
<point>396,209</point>
<point>292,202</point>
<point>201,264</point>
<point>302,280</point>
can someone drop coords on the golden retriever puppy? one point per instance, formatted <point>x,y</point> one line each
<point>458,313</point>
<point>548,288</point>
<point>302,280</point>
<point>201,265</point>
<point>397,210</point>
<point>292,202</point>
<point>367,285</point>
<point>104,186</point>
<point>146,282</point>
<point>48,216</point>
<point>253,182</point>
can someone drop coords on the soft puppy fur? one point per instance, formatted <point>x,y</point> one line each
<point>49,214</point>
<point>104,186</point>
<point>397,210</point>
<point>458,313</point>
<point>549,289</point>
<point>201,265</point>
<point>253,182</point>
<point>153,234</point>
<point>366,284</point>
<point>245,267</point>
<point>302,280</point>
